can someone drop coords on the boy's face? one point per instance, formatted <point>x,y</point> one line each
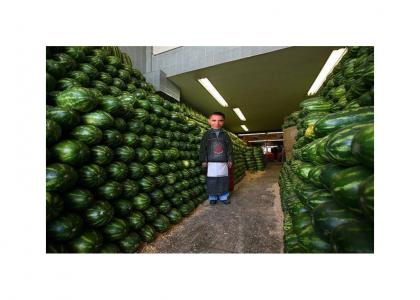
<point>216,121</point>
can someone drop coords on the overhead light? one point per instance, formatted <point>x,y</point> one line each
<point>244,128</point>
<point>245,134</point>
<point>258,141</point>
<point>273,132</point>
<point>332,61</point>
<point>239,114</point>
<point>212,90</point>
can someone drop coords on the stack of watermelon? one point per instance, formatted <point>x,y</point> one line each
<point>327,188</point>
<point>122,162</point>
<point>258,155</point>
<point>239,165</point>
<point>251,165</point>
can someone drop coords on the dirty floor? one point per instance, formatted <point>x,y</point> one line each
<point>251,223</point>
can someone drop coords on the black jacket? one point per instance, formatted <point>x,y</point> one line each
<point>208,143</point>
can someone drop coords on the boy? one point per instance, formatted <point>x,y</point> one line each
<point>216,155</point>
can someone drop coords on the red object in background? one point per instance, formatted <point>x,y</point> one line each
<point>269,156</point>
<point>231,179</point>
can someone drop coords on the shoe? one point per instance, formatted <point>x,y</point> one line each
<point>226,201</point>
<point>213,202</point>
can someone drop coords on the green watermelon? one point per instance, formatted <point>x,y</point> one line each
<point>141,114</point>
<point>53,132</point>
<point>119,83</point>
<point>143,103</point>
<point>110,190</point>
<point>123,207</point>
<point>114,91</point>
<point>353,237</point>
<point>174,216</point>
<point>346,184</point>
<point>150,213</point>
<point>184,209</point>
<point>164,168</point>
<point>98,118</point>
<point>146,141</point>
<point>71,152</point>
<point>53,247</point>
<point>111,105</point>
<point>90,70</point>
<point>151,168</point>
<point>362,145</point>
<point>101,155</point>
<point>141,202</point>
<point>130,188</point>
<point>131,88</point>
<point>136,170</point>
<point>96,61</point>
<point>88,134</point>
<point>67,83</point>
<point>130,243</point>
<point>142,155</point>
<point>100,86</point>
<point>160,180</point>
<point>80,77</point>
<point>65,227</point>
<point>161,223</point>
<point>111,70</point>
<point>125,154</point>
<point>130,139</point>
<point>328,172</point>
<point>110,248</point>
<point>147,233</point>
<point>66,118</point>
<point>114,61</point>
<point>66,61</point>
<point>117,170</point>
<point>147,184</point>
<point>366,193</point>
<point>124,75</point>
<point>136,220</point>
<point>99,214</point>
<point>116,229</point>
<point>105,77</point>
<point>149,130</point>
<point>136,126</point>
<point>92,175</point>
<point>55,68</point>
<point>78,199</point>
<point>120,124</point>
<point>50,82</point>
<point>164,207</point>
<point>60,177</point>
<point>157,197</point>
<point>112,138</point>
<point>88,242</point>
<point>77,53</point>
<point>153,119</point>
<point>54,205</point>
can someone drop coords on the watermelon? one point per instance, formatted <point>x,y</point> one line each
<point>143,103</point>
<point>78,199</point>
<point>77,53</point>
<point>366,99</point>
<point>80,77</point>
<point>55,68</point>
<point>171,178</point>
<point>328,172</point>
<point>90,70</point>
<point>60,177</point>
<point>366,194</point>
<point>88,134</point>
<point>88,242</point>
<point>53,132</point>
<point>362,146</point>
<point>137,74</point>
<point>99,214</point>
<point>98,118</point>
<point>66,118</point>
<point>130,243</point>
<point>150,213</point>
<point>101,155</point>
<point>117,171</point>
<point>141,114</point>
<point>71,152</point>
<point>174,216</point>
<point>346,184</point>
<point>53,247</point>
<point>146,184</point>
<point>353,237</point>
<point>114,91</point>
<point>112,138</point>
<point>67,62</point>
<point>157,197</point>
<point>314,244</point>
<point>111,70</point>
<point>161,223</point>
<point>146,141</point>
<point>136,126</point>
<point>117,82</point>
<point>123,207</point>
<point>124,75</point>
<point>163,123</point>
<point>136,170</point>
<point>105,78</point>
<point>114,61</point>
<point>130,188</point>
<point>96,61</point>
<point>100,86</point>
<point>64,227</point>
<point>334,121</point>
<point>110,190</point>
<point>178,186</point>
<point>151,168</point>
<point>153,119</point>
<point>184,209</point>
<point>164,168</point>
<point>149,130</point>
<point>339,145</point>
<point>164,207</point>
<point>142,155</point>
<point>120,124</point>
<point>67,83</point>
<point>111,105</point>
<point>54,205</point>
<point>159,143</point>
<point>92,175</point>
<point>131,88</point>
<point>110,248</point>
<point>303,170</point>
<point>141,201</point>
<point>147,233</point>
<point>50,82</point>
<point>125,154</point>
<point>131,139</point>
<point>160,180</point>
<point>136,220</point>
<point>116,229</point>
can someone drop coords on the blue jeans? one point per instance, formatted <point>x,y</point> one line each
<point>222,197</point>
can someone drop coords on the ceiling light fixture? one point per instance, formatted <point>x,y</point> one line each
<point>239,113</point>
<point>244,128</point>
<point>332,61</point>
<point>245,134</point>
<point>212,90</point>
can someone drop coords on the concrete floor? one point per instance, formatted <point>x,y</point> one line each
<point>252,223</point>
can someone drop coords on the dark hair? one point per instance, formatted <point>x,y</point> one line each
<point>217,113</point>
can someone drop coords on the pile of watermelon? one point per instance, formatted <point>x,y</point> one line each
<point>239,161</point>
<point>327,189</point>
<point>122,162</point>
<point>254,159</point>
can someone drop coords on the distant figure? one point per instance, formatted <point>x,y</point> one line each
<point>216,155</point>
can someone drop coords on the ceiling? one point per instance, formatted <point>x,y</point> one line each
<point>266,87</point>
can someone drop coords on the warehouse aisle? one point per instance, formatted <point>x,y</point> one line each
<point>252,223</point>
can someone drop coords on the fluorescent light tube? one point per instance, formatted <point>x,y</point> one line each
<point>245,134</point>
<point>239,114</point>
<point>329,66</point>
<point>212,90</point>
<point>244,128</point>
<point>273,132</point>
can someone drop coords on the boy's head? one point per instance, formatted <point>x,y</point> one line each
<point>216,120</point>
